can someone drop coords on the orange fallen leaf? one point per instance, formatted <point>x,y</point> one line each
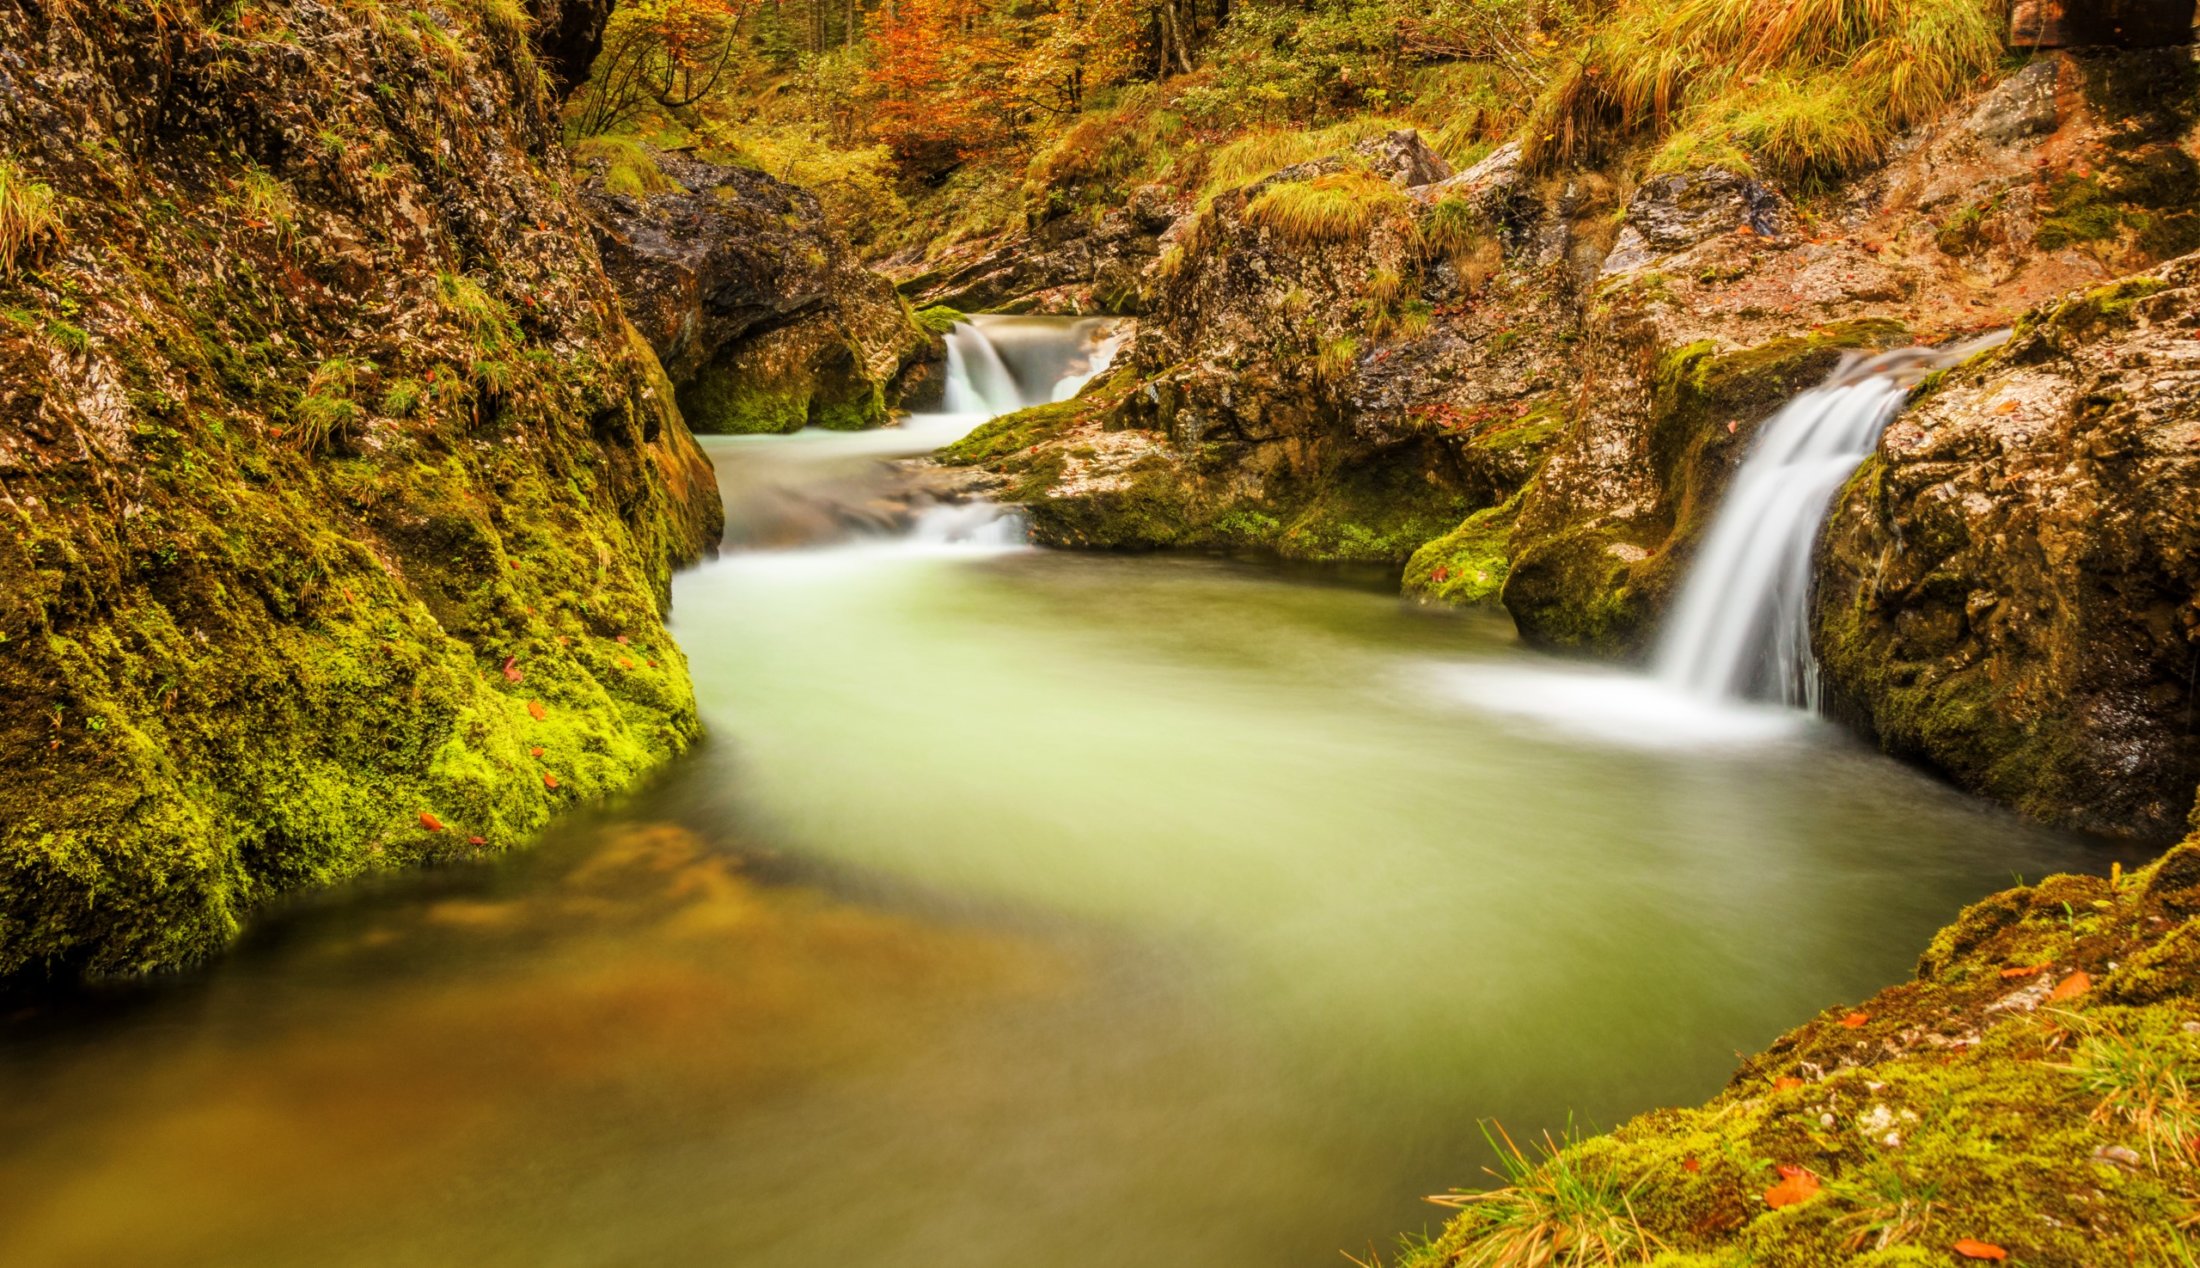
<point>430,822</point>
<point>1796,1185</point>
<point>1691,1165</point>
<point>2006,407</point>
<point>512,671</point>
<point>1786,1083</point>
<point>624,663</point>
<point>1971,1249</point>
<point>549,780</point>
<point>1854,1020</point>
<point>535,752</point>
<point>621,640</point>
<point>2071,987</point>
<point>2022,971</point>
<point>477,840</point>
<point>535,710</point>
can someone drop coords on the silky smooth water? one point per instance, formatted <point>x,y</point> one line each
<point>1023,908</point>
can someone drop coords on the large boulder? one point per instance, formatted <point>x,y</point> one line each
<point>1067,264</point>
<point>341,501</point>
<point>762,314</point>
<point>2011,589</point>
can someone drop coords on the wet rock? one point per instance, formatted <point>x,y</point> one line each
<point>2011,589</point>
<point>1669,214</point>
<point>1069,264</point>
<point>762,315</point>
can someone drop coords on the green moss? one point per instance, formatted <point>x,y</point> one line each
<point>1012,433</point>
<point>1470,563</point>
<point>1951,1107</point>
<point>937,319</point>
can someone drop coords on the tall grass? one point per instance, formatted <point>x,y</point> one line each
<point>1333,207</point>
<point>1803,88</point>
<point>30,217</point>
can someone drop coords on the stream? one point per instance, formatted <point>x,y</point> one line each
<point>1023,907</point>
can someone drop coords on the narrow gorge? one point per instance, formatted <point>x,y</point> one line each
<point>1146,632</point>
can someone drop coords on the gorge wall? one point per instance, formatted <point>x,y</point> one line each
<point>341,499</point>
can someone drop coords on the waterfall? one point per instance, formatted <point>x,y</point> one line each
<point>1741,627</point>
<point>998,364</point>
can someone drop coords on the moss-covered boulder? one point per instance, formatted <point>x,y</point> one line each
<point>763,316</point>
<point>2010,590</point>
<point>338,500</point>
<point>2034,1094</point>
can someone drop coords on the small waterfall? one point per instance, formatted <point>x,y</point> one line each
<point>997,364</point>
<point>1741,627</point>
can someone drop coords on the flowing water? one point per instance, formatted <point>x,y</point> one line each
<point>1740,627</point>
<point>1022,908</point>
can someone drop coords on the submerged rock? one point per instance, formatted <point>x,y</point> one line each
<point>762,315</point>
<point>341,500</point>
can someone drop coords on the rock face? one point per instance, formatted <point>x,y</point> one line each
<point>762,315</point>
<point>1293,393</point>
<point>568,35</point>
<point>341,500</point>
<point>1067,265</point>
<point>2121,23</point>
<point>2011,591</point>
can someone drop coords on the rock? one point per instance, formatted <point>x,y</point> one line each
<point>330,473</point>
<point>2120,23</point>
<point>1403,159</point>
<point>763,317</point>
<point>2011,590</point>
<point>2020,107</point>
<point>1067,265</point>
<point>1669,214</point>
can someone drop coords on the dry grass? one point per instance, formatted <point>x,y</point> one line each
<point>30,217</point>
<point>628,168</point>
<point>1258,154</point>
<point>1334,207</point>
<point>1805,88</point>
<point>2154,1087</point>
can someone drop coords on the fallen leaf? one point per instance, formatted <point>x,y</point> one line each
<point>1854,1020</point>
<point>512,672</point>
<point>2021,971</point>
<point>624,663</point>
<point>1971,1249</point>
<point>1796,1185</point>
<point>535,710</point>
<point>2006,407</point>
<point>549,780</point>
<point>1786,1083</point>
<point>1691,1165</point>
<point>430,822</point>
<point>2070,987</point>
<point>535,752</point>
<point>621,640</point>
<point>477,840</point>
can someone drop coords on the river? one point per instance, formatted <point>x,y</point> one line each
<point>1023,907</point>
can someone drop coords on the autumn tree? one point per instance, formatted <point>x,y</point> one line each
<point>666,54</point>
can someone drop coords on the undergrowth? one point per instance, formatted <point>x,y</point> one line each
<point>30,217</point>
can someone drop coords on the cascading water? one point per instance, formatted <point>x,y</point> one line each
<point>998,364</point>
<point>823,488</point>
<point>1741,627</point>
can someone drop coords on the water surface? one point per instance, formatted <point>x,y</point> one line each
<point>1023,908</point>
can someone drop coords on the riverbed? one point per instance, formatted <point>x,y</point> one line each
<point>1023,907</point>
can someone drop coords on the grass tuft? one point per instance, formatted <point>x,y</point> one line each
<point>628,168</point>
<point>1334,207</point>
<point>1807,88</point>
<point>1559,1207</point>
<point>30,217</point>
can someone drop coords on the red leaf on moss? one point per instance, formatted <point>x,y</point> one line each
<point>549,780</point>
<point>1691,1165</point>
<point>1971,1249</point>
<point>430,822</point>
<point>2033,971</point>
<point>1796,1185</point>
<point>2071,987</point>
<point>1854,1020</point>
<point>535,752</point>
<point>624,663</point>
<point>477,840</point>
<point>1786,1083</point>
<point>512,671</point>
<point>621,640</point>
<point>535,710</point>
